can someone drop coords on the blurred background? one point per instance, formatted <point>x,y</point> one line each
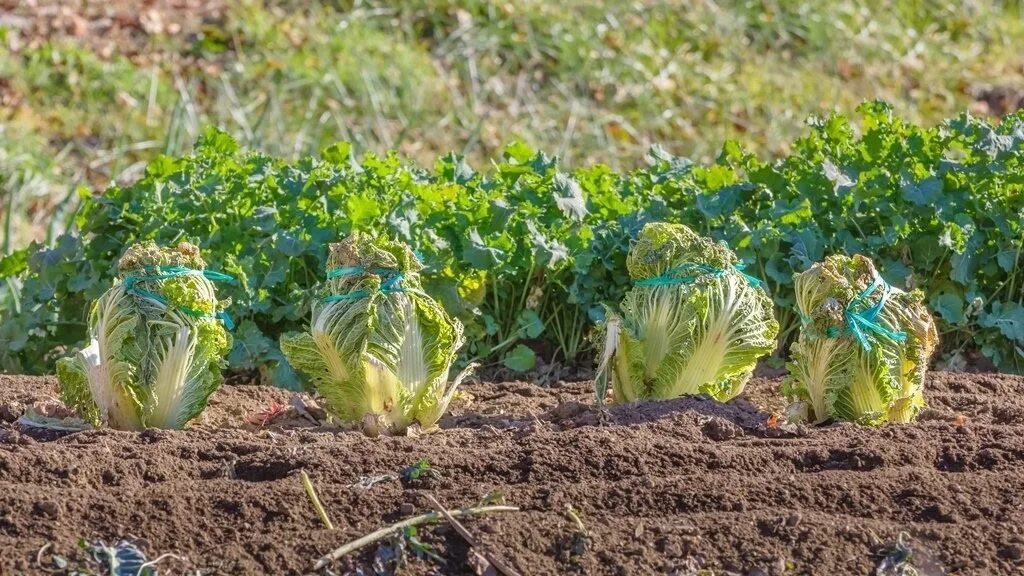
<point>91,90</point>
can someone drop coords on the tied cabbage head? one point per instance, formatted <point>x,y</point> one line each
<point>863,348</point>
<point>693,322</point>
<point>378,350</point>
<point>157,343</point>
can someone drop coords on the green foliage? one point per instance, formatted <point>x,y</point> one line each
<point>156,344</point>
<point>420,469</point>
<point>692,323</point>
<point>863,348</point>
<point>528,254</point>
<point>594,81</point>
<point>940,209</point>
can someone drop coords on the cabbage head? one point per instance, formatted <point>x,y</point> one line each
<point>157,343</point>
<point>693,322</point>
<point>863,348</point>
<point>378,350</point>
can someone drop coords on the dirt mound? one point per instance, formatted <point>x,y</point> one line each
<point>660,488</point>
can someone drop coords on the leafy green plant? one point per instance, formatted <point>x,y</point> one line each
<point>864,346</point>
<point>157,343</point>
<point>528,254</point>
<point>502,255</point>
<point>936,208</point>
<point>692,323</point>
<point>420,469</point>
<point>378,349</point>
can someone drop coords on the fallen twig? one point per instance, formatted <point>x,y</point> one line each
<point>367,482</point>
<point>311,492</point>
<point>571,513</point>
<point>39,555</point>
<point>491,558</point>
<point>414,521</point>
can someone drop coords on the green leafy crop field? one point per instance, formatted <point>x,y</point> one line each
<point>531,252</point>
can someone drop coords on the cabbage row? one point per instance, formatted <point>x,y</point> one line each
<point>378,350</point>
<point>530,255</point>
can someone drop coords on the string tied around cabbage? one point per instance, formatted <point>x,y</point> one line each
<point>158,340</point>
<point>863,349</point>
<point>693,322</point>
<point>378,349</point>
<point>690,272</point>
<point>862,317</point>
<point>132,284</point>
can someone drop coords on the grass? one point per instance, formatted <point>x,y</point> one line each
<point>592,81</point>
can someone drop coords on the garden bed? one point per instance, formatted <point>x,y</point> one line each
<point>660,488</point>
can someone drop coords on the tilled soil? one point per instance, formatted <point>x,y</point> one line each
<point>658,488</point>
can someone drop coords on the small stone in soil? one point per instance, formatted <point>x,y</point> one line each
<point>721,429</point>
<point>11,411</point>
<point>1012,552</point>
<point>47,508</point>
<point>406,508</point>
<point>689,530</point>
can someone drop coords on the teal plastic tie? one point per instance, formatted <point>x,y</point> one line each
<point>345,271</point>
<point>863,323</point>
<point>390,285</point>
<point>690,272</point>
<point>155,273</point>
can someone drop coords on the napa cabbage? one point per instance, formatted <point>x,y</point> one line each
<point>157,343</point>
<point>378,349</point>
<point>863,348</point>
<point>693,322</point>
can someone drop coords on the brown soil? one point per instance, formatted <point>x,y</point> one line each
<point>661,488</point>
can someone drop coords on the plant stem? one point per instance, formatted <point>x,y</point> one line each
<point>495,562</point>
<point>311,492</point>
<point>526,285</point>
<point>414,521</point>
<point>5,248</point>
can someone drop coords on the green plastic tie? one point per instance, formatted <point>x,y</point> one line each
<point>390,285</point>
<point>690,272</point>
<point>155,273</point>
<point>863,324</point>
